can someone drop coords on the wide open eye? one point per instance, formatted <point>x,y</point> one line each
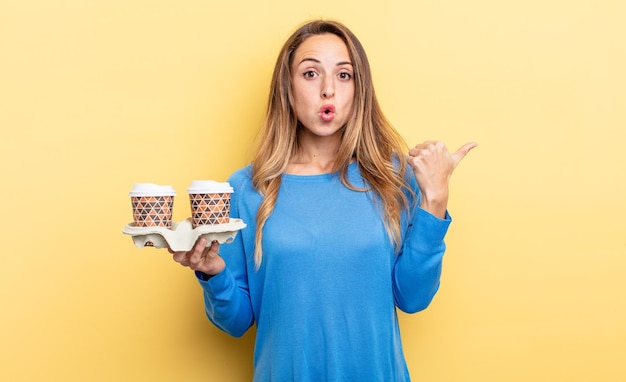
<point>345,75</point>
<point>310,74</point>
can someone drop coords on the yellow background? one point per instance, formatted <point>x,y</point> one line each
<point>98,95</point>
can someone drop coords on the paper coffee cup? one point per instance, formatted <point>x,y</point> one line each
<point>152,205</point>
<point>210,202</point>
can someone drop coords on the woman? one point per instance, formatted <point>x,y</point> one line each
<point>343,227</point>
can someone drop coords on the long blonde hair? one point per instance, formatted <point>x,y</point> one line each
<point>368,137</point>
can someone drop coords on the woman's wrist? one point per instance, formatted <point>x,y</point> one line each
<point>436,204</point>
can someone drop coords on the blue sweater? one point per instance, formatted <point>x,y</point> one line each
<point>324,299</point>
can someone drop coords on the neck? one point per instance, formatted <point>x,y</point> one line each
<point>316,155</point>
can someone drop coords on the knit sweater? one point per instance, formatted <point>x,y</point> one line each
<point>325,296</point>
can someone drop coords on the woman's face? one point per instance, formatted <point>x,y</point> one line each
<point>323,84</point>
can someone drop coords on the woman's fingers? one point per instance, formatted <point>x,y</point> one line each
<point>197,254</point>
<point>201,257</point>
<point>180,257</point>
<point>462,152</point>
<point>433,164</point>
<point>438,151</point>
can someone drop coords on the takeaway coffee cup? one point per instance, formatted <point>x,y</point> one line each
<point>210,202</point>
<point>152,205</point>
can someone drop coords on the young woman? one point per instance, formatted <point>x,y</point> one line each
<point>343,227</point>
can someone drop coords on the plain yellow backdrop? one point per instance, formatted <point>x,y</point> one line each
<point>98,95</point>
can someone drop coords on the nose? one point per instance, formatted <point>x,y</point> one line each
<point>328,88</point>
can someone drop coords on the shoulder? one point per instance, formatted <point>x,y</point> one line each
<point>245,199</point>
<point>411,188</point>
<point>241,181</point>
<point>241,177</point>
<point>402,169</point>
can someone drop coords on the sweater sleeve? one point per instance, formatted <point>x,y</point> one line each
<point>417,270</point>
<point>226,294</point>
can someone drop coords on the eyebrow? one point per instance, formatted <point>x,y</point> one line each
<point>319,62</point>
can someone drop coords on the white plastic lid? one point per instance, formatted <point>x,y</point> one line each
<point>209,187</point>
<point>151,189</point>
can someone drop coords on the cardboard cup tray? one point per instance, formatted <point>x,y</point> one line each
<point>182,237</point>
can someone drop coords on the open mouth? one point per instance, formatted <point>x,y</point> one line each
<point>327,113</point>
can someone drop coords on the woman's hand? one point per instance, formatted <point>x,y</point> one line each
<point>433,165</point>
<point>201,258</point>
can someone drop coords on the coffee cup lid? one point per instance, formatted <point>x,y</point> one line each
<point>209,187</point>
<point>151,189</point>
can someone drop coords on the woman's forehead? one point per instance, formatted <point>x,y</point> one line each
<point>323,46</point>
